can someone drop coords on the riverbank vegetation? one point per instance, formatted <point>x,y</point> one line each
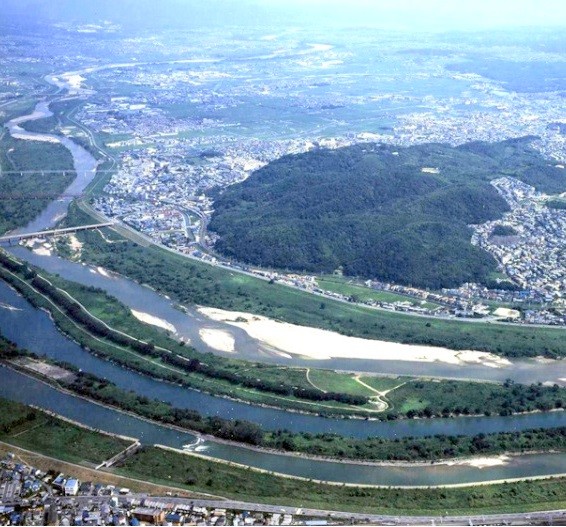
<point>25,195</point>
<point>277,386</point>
<point>106,327</point>
<point>191,282</point>
<point>326,445</point>
<point>195,473</point>
<point>36,430</point>
<point>176,470</point>
<point>329,445</point>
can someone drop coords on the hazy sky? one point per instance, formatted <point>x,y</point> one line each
<point>395,14</point>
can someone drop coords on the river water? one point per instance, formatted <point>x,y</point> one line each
<point>33,329</point>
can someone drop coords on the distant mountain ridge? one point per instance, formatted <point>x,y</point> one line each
<point>399,214</point>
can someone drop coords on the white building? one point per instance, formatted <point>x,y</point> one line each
<point>71,487</point>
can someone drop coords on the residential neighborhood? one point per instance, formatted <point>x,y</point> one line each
<point>29,496</point>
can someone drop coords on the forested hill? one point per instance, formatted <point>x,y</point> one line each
<point>373,211</point>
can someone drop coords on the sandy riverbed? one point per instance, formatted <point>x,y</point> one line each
<point>218,339</point>
<point>153,320</point>
<point>480,462</point>
<point>320,344</point>
<point>44,249</point>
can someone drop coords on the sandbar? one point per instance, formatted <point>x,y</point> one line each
<point>218,339</point>
<point>321,344</point>
<point>153,320</point>
<point>481,462</point>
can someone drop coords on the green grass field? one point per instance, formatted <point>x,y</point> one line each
<point>199,474</point>
<point>362,293</point>
<point>35,430</point>
<point>383,384</point>
<point>331,381</point>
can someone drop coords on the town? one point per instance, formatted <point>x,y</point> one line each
<point>29,496</point>
<point>180,130</point>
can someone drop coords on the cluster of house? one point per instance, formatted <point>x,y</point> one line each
<point>532,252</point>
<point>29,496</point>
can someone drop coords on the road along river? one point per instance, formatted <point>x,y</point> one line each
<point>33,329</point>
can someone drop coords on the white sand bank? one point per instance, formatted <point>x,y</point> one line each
<point>153,320</point>
<point>218,339</point>
<point>75,244</point>
<point>101,271</point>
<point>481,462</point>
<point>313,343</point>
<point>9,307</point>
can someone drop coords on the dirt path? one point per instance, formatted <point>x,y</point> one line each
<point>377,399</point>
<point>312,383</point>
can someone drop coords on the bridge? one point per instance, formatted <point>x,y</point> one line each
<point>53,232</point>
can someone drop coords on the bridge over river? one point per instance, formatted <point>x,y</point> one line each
<point>52,232</point>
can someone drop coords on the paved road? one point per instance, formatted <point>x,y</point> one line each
<point>556,517</point>
<point>544,517</point>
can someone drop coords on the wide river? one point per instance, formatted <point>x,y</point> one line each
<point>33,329</point>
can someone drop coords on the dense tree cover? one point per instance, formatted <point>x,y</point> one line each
<point>108,393</point>
<point>417,398</point>
<point>372,211</point>
<point>418,448</point>
<point>503,230</point>
<point>558,204</point>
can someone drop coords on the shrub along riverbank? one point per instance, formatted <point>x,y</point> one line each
<point>198,474</point>
<point>33,429</point>
<point>177,470</point>
<point>328,445</point>
<point>278,386</point>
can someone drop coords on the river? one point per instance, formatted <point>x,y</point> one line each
<point>33,329</point>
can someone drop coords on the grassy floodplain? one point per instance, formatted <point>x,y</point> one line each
<point>34,429</point>
<point>27,428</point>
<point>348,287</point>
<point>104,325</point>
<point>328,445</point>
<point>191,282</point>
<point>195,473</point>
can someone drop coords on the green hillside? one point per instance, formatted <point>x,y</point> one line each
<point>372,211</point>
